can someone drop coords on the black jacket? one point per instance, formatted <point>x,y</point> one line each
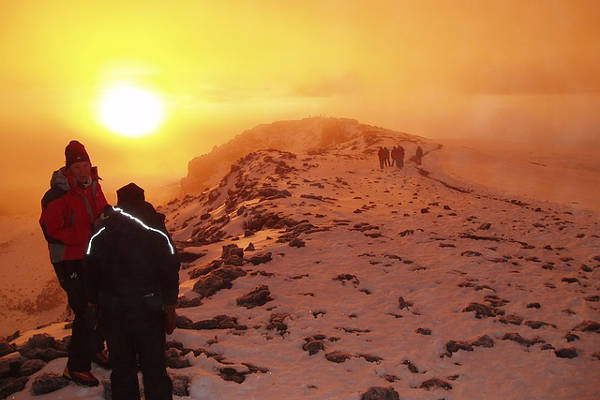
<point>132,255</point>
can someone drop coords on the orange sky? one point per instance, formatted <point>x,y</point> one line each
<point>508,69</point>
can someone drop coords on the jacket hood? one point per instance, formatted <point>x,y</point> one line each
<point>62,179</point>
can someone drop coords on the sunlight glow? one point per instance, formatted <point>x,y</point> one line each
<point>131,111</point>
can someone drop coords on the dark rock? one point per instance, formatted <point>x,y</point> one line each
<point>5,369</point>
<point>570,280</point>
<point>515,337</point>
<point>48,383</point>
<point>424,210</point>
<point>250,247</point>
<point>219,322</point>
<point>347,277</point>
<point>337,356</point>
<point>232,249</point>
<point>253,369</point>
<point>41,341</point>
<point>297,243</point>
<point>16,334</point>
<point>534,305</point>
<point>455,345</point>
<point>592,298</point>
<point>30,367</point>
<point>184,302</point>
<point>423,331</point>
<point>380,393</point>
<point>481,310</point>
<point>181,385</point>
<point>205,269</point>
<point>174,360</point>
<point>538,324</point>
<point>183,322</point>
<point>485,226</point>
<point>6,348</point>
<point>218,279</point>
<point>48,354</point>
<point>260,258</point>
<point>496,301</point>
<point>234,259</point>
<point>12,385</point>
<point>174,344</point>
<point>186,257</point>
<point>370,358</point>
<point>257,297</point>
<point>403,303</point>
<point>571,337</point>
<point>483,341</point>
<point>411,367</point>
<point>313,346</point>
<point>63,344</point>
<point>570,352</point>
<point>230,374</point>
<point>588,326</point>
<point>435,383</point>
<point>511,319</point>
<point>10,365</point>
<point>470,253</point>
<point>276,321</point>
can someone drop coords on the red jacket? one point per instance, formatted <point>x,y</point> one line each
<point>68,215</point>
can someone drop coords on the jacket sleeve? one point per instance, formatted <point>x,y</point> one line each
<point>53,222</point>
<point>94,260</point>
<point>168,270</point>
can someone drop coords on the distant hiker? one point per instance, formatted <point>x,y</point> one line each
<point>418,155</point>
<point>70,208</point>
<point>400,157</point>
<point>135,283</point>
<point>381,155</point>
<point>387,157</point>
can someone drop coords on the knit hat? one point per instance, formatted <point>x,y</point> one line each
<point>130,193</point>
<point>75,152</point>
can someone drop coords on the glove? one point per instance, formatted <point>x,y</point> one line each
<point>170,316</point>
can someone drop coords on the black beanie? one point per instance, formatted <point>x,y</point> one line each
<point>75,152</point>
<point>130,193</point>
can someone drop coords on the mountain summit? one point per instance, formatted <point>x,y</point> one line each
<point>309,272</point>
<point>298,136</point>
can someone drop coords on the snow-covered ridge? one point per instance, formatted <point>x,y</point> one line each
<point>313,274</point>
<point>297,136</point>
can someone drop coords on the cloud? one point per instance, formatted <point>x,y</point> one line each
<point>330,85</point>
<point>540,80</point>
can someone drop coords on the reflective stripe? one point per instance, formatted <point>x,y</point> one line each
<point>119,210</point>
<point>89,249</point>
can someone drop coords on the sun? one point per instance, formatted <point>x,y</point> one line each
<point>130,110</point>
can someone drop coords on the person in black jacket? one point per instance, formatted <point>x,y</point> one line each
<point>134,280</point>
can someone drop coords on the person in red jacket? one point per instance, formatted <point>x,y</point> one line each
<point>70,209</point>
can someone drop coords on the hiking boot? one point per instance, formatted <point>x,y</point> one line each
<point>80,378</point>
<point>101,358</point>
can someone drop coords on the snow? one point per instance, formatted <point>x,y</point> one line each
<point>363,316</point>
<point>29,292</point>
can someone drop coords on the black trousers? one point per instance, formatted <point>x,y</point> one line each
<point>86,339</point>
<point>135,328</point>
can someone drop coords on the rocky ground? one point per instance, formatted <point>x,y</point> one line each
<point>317,275</point>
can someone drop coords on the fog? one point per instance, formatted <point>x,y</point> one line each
<point>522,72</point>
